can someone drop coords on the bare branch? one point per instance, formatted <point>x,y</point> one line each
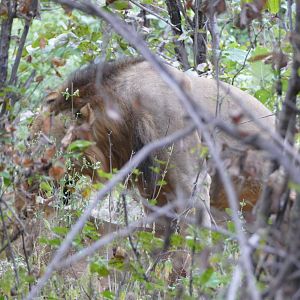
<point>153,13</point>
<point>6,26</point>
<point>19,52</point>
<point>175,17</point>
<point>200,35</point>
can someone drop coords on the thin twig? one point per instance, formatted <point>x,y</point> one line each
<point>16,64</point>
<point>26,258</point>
<point>151,12</point>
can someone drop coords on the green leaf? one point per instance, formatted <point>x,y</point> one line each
<point>206,275</point>
<point>108,295</point>
<point>120,4</point>
<point>230,226</point>
<point>161,182</point>
<point>46,187</point>
<point>148,241</point>
<point>156,170</point>
<point>79,145</point>
<point>51,242</point>
<point>103,174</point>
<point>60,230</point>
<point>273,6</point>
<point>208,279</point>
<point>99,268</point>
<point>29,279</point>
<point>177,240</point>
<point>263,95</point>
<point>6,178</point>
<point>235,54</point>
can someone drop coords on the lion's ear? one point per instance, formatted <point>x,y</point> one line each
<point>51,97</point>
<point>88,113</point>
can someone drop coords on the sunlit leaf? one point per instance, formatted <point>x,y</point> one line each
<point>99,268</point>
<point>79,145</point>
<point>273,6</point>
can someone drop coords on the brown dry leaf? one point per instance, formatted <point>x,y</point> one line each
<point>16,159</point>
<point>24,7</point>
<point>69,137</point>
<point>39,78</point>
<point>57,171</point>
<point>48,211</point>
<point>86,193</point>
<point>43,43</point>
<point>259,57</point>
<point>220,7</point>
<point>188,4</point>
<point>27,162</point>
<point>67,9</point>
<point>44,161</point>
<point>250,11</point>
<point>49,153</point>
<point>29,59</point>
<point>214,7</point>
<point>9,128</point>
<point>119,253</point>
<point>58,62</point>
<point>279,60</point>
<point>46,124</point>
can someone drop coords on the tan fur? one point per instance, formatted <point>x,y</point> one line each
<point>148,109</point>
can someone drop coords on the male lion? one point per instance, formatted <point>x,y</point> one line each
<point>124,105</point>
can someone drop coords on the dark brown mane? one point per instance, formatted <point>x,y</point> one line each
<point>100,71</point>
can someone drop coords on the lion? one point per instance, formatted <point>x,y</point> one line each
<point>126,105</point>
<point>123,105</point>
